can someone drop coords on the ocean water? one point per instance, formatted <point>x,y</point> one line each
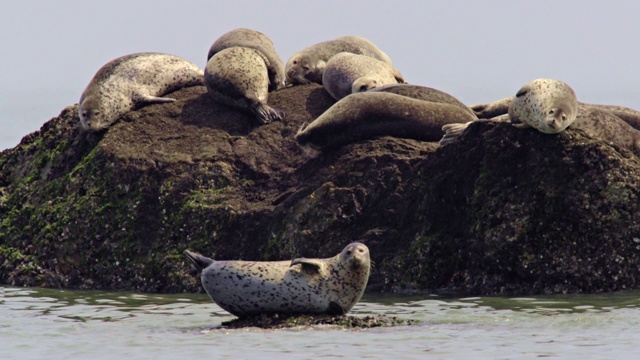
<point>62,324</point>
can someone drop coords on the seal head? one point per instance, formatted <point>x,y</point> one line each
<point>546,105</point>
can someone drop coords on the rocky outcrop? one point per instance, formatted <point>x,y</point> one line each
<point>501,211</point>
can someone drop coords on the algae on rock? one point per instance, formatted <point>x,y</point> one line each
<point>501,211</point>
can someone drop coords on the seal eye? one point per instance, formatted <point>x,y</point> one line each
<point>551,112</point>
<point>348,252</point>
<point>564,117</point>
<point>295,62</point>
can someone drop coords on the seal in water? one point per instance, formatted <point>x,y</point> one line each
<point>307,66</point>
<point>348,73</point>
<point>130,82</point>
<point>239,77</point>
<point>372,114</point>
<point>324,286</point>
<point>255,40</point>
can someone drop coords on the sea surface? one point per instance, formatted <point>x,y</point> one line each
<point>61,324</point>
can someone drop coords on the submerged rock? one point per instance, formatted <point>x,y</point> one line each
<point>501,211</point>
<point>282,321</point>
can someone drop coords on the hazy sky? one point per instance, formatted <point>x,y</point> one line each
<point>478,51</point>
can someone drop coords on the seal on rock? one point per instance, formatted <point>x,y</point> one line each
<point>546,105</point>
<point>348,73</point>
<point>130,81</point>
<point>424,93</point>
<point>255,40</point>
<point>371,114</point>
<point>307,66</point>
<point>246,288</point>
<point>500,107</point>
<point>239,77</point>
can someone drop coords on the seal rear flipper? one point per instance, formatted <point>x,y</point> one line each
<point>309,266</point>
<point>266,114</point>
<point>199,261</point>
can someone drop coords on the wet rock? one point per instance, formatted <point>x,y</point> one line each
<point>282,321</point>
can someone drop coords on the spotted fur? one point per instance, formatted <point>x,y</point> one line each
<point>239,77</point>
<point>546,105</point>
<point>245,288</point>
<point>348,73</point>
<point>308,65</point>
<point>131,81</point>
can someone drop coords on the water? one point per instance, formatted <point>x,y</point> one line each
<point>59,324</point>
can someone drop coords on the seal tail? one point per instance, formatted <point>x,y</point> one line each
<point>199,261</point>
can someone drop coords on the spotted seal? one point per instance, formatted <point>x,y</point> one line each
<point>598,121</point>
<point>255,40</point>
<point>500,107</point>
<point>239,77</point>
<point>131,81</point>
<point>348,73</point>
<point>546,105</point>
<point>371,114</point>
<point>307,65</point>
<point>246,288</point>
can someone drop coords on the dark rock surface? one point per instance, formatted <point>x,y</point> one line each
<point>502,211</point>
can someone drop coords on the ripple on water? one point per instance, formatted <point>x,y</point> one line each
<point>38,323</point>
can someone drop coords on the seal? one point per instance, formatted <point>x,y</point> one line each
<point>501,107</point>
<point>546,105</point>
<point>255,40</point>
<point>131,81</point>
<point>595,120</point>
<point>246,288</point>
<point>372,114</point>
<point>307,66</point>
<point>239,77</point>
<point>424,93</point>
<point>348,73</point>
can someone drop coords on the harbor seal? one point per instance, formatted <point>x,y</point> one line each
<point>371,114</point>
<point>131,81</point>
<point>424,93</point>
<point>594,121</point>
<point>307,66</point>
<point>255,40</point>
<point>500,107</point>
<point>546,105</point>
<point>348,73</point>
<point>239,77</point>
<point>246,288</point>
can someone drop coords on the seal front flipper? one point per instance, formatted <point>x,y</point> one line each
<point>452,132</point>
<point>148,99</point>
<point>199,261</point>
<point>335,309</point>
<point>309,266</point>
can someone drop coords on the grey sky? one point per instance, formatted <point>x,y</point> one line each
<point>478,51</point>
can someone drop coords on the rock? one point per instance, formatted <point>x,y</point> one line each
<point>503,211</point>
<point>283,321</point>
